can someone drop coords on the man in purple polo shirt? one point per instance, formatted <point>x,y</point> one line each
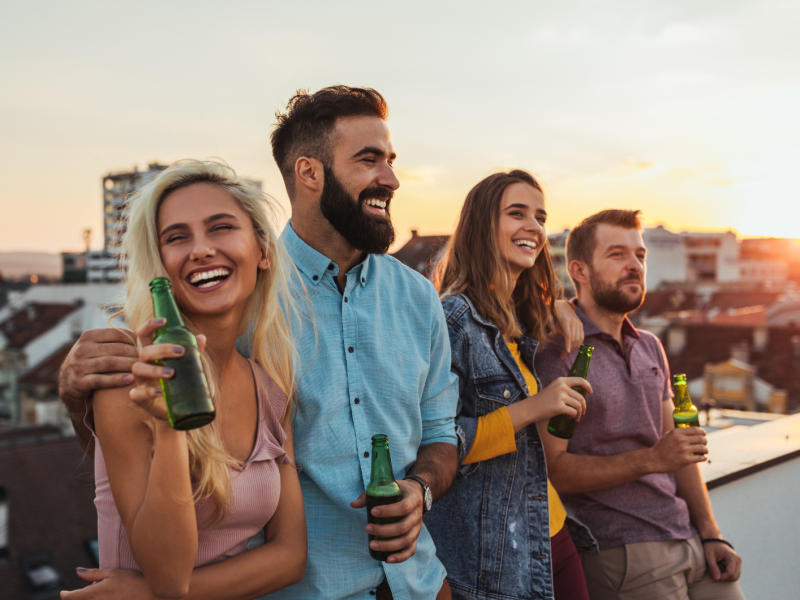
<point>627,472</point>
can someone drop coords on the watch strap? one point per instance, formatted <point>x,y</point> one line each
<point>426,489</point>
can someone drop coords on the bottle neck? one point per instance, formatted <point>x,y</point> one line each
<point>580,368</point>
<point>682,399</point>
<point>381,465</point>
<point>164,306</point>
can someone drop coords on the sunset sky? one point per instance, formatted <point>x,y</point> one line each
<point>685,109</point>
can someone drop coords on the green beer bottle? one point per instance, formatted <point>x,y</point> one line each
<point>563,426</point>
<point>186,393</point>
<point>685,413</point>
<point>382,489</point>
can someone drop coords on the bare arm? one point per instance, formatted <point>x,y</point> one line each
<point>278,563</point>
<point>149,472</point>
<point>578,473</point>
<point>153,496</point>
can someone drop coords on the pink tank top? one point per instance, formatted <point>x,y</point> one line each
<point>255,490</point>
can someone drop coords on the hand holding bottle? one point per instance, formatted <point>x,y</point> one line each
<point>558,398</point>
<point>147,392</point>
<point>678,448</point>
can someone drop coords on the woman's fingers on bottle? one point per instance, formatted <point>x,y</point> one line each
<point>160,352</point>
<point>146,331</point>
<point>578,382</point>
<point>148,371</point>
<point>201,342</point>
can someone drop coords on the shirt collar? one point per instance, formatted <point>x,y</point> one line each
<point>590,328</point>
<point>313,264</point>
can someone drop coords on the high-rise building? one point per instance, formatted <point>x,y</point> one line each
<point>117,187</point>
<point>103,265</point>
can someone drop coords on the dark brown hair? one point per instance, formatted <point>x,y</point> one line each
<point>306,128</point>
<point>473,265</point>
<point>581,241</point>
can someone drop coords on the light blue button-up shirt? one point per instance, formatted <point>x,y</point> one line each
<point>379,363</point>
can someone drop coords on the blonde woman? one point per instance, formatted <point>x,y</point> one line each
<point>176,509</point>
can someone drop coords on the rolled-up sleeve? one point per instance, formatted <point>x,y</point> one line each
<point>440,394</point>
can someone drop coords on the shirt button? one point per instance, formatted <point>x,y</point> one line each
<point>540,556</point>
<point>533,442</point>
<point>366,454</point>
<point>345,298</point>
<point>357,401</point>
<point>372,592</point>
<point>537,497</point>
<point>362,280</point>
<point>350,349</point>
<point>330,267</point>
<point>315,278</point>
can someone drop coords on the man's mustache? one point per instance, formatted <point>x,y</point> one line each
<point>635,279</point>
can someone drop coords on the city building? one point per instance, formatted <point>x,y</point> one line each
<point>692,257</point>
<point>37,328</point>
<point>740,367</point>
<point>117,187</point>
<point>48,523</point>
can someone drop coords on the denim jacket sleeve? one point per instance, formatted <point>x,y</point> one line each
<point>466,425</point>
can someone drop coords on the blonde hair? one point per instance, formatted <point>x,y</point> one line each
<point>473,265</point>
<point>269,305</point>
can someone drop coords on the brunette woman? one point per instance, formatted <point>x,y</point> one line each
<point>501,530</point>
<point>176,509</point>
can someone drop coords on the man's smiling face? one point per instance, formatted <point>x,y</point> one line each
<point>360,184</point>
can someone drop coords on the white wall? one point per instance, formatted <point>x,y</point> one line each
<point>666,258</point>
<point>760,516</point>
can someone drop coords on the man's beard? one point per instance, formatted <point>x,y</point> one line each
<point>373,235</point>
<point>611,297</point>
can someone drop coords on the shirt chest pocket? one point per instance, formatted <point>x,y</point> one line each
<point>652,380</point>
<point>494,394</point>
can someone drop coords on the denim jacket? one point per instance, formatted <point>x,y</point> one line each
<point>492,529</point>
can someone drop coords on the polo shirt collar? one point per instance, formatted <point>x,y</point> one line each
<point>590,328</point>
<point>313,264</point>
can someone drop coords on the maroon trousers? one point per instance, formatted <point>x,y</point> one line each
<point>568,580</point>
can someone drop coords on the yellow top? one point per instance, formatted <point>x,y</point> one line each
<point>495,437</point>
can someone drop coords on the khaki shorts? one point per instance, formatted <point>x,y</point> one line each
<point>671,570</point>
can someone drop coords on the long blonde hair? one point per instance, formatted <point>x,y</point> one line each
<point>269,306</point>
<point>473,265</point>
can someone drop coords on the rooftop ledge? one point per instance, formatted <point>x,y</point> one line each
<point>739,451</point>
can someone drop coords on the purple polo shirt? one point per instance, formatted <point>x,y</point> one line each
<point>630,383</point>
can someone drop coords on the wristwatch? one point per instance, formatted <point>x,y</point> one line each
<point>427,496</point>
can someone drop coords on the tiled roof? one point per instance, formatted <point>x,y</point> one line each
<point>419,250</point>
<point>50,493</point>
<point>47,371</point>
<point>658,302</point>
<point>754,316</point>
<point>708,343</point>
<point>735,300</point>
<point>33,320</point>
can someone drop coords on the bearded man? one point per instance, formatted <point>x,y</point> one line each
<point>377,360</point>
<point>627,472</point>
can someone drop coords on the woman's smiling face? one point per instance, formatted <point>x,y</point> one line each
<point>521,230</point>
<point>209,249</point>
